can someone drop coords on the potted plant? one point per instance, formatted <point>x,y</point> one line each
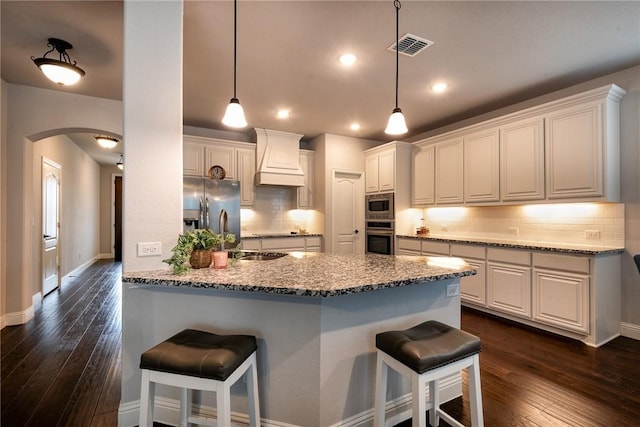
<point>220,255</point>
<point>195,246</point>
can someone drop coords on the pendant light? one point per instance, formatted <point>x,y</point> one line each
<point>396,124</point>
<point>234,116</point>
<point>120,163</point>
<point>61,71</point>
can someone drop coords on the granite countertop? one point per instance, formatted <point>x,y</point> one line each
<point>277,235</point>
<point>313,274</point>
<point>568,248</point>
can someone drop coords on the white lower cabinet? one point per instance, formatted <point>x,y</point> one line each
<point>473,289</point>
<point>509,281</point>
<point>561,291</point>
<point>251,244</point>
<point>409,247</point>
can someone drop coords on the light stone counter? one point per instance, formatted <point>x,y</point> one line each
<point>315,317</point>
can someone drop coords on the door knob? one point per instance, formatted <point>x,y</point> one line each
<point>356,231</point>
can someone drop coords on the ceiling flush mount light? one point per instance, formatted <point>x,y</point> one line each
<point>347,59</point>
<point>107,142</point>
<point>120,163</point>
<point>439,87</point>
<point>61,71</point>
<point>396,124</point>
<point>355,126</point>
<point>234,116</point>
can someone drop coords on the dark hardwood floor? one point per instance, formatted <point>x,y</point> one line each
<point>63,367</point>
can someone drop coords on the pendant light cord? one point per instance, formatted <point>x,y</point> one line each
<point>235,42</point>
<point>397,5</point>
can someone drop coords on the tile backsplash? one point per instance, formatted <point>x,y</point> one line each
<point>272,213</point>
<point>583,223</point>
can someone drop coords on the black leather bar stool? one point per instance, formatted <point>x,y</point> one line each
<point>425,353</point>
<point>197,360</point>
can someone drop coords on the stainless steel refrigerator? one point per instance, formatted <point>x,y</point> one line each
<point>214,204</point>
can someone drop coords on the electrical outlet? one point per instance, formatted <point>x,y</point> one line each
<point>453,290</point>
<point>513,230</point>
<point>150,249</point>
<point>592,234</point>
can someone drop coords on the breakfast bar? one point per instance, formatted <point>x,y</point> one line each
<point>315,316</point>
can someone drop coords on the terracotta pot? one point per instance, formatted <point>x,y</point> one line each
<point>220,259</point>
<point>200,258</point>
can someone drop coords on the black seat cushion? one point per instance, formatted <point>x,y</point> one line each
<point>428,345</point>
<point>199,354</point>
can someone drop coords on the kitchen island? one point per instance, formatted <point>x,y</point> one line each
<point>315,316</point>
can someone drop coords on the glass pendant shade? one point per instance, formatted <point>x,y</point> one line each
<point>234,116</point>
<point>61,73</point>
<point>396,124</point>
<point>120,163</point>
<point>106,142</point>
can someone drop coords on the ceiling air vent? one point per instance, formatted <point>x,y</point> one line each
<point>410,45</point>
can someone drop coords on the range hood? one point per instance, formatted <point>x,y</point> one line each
<point>277,158</point>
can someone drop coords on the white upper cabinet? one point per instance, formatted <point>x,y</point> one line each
<point>522,160</point>
<point>564,150</point>
<point>422,186</point>
<point>221,155</point>
<point>387,169</point>
<point>302,197</point>
<point>237,158</point>
<point>192,159</point>
<point>482,167</point>
<point>575,152</point>
<point>246,167</point>
<point>449,183</point>
<point>380,171</point>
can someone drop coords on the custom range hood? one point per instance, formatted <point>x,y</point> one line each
<point>277,158</point>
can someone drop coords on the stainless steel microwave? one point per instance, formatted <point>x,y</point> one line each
<point>379,206</point>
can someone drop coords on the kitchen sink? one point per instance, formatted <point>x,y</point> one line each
<point>261,256</point>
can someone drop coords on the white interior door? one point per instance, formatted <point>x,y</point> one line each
<point>50,225</point>
<point>347,217</point>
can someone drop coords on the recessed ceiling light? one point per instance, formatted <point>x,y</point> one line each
<point>355,126</point>
<point>283,114</point>
<point>439,87</point>
<point>347,59</point>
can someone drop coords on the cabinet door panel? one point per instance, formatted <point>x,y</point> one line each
<point>386,170</point>
<point>522,160</point>
<point>509,289</point>
<point>473,288</point>
<point>193,159</point>
<point>423,186</point>
<point>371,173</point>
<point>246,160</point>
<point>574,152</point>
<point>223,156</point>
<point>482,167</point>
<point>561,299</point>
<point>303,196</point>
<point>448,172</point>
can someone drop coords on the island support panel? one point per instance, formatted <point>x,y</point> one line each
<point>316,356</point>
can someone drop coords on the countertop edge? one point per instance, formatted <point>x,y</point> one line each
<point>538,246</point>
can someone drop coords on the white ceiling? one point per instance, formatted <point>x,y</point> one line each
<point>491,54</point>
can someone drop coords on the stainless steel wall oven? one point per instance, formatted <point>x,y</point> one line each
<point>380,236</point>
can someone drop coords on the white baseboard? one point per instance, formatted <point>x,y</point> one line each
<point>76,271</point>
<point>630,330</point>
<point>105,256</point>
<point>168,410</point>
<point>18,318</point>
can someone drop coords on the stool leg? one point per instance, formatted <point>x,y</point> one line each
<point>223,402</point>
<point>147,400</point>
<point>434,395</point>
<point>381,391</point>
<point>252,394</point>
<point>419,404</point>
<point>475,393</point>
<point>185,406</point>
